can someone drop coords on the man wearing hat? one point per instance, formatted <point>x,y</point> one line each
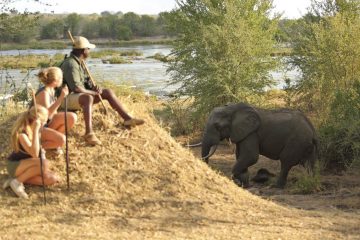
<point>84,94</point>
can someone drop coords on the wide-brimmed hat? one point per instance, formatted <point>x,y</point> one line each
<point>82,43</point>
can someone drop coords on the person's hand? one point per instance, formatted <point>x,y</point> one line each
<point>98,90</point>
<point>37,124</point>
<point>64,91</point>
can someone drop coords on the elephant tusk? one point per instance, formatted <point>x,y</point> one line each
<point>194,145</point>
<point>212,150</point>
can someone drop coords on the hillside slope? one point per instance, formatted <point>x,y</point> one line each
<point>142,184</point>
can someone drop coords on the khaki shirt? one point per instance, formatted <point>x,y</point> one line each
<point>74,75</point>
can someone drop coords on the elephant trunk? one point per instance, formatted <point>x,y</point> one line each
<point>210,141</point>
<point>207,151</point>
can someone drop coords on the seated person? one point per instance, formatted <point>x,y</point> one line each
<point>83,94</point>
<point>53,136</point>
<point>23,164</point>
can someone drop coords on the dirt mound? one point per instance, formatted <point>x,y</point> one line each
<point>142,184</point>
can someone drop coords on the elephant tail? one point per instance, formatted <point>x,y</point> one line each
<point>310,164</point>
<point>310,156</point>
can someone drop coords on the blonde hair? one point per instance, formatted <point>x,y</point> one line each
<point>23,124</point>
<point>49,75</point>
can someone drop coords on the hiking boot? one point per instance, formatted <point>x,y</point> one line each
<point>18,188</point>
<point>91,139</point>
<point>7,183</point>
<point>133,122</point>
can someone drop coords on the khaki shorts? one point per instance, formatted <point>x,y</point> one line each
<point>11,167</point>
<point>73,102</point>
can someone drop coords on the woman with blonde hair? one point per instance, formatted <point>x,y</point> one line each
<point>23,164</point>
<point>53,135</point>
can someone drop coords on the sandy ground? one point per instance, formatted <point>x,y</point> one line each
<point>142,184</point>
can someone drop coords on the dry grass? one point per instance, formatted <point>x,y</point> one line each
<point>142,184</point>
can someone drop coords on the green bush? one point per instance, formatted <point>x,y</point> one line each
<point>118,60</point>
<point>307,184</point>
<point>340,145</point>
<point>340,134</point>
<point>327,51</point>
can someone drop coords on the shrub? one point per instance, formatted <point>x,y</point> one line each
<point>307,184</point>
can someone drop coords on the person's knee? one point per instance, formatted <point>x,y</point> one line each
<point>86,100</point>
<point>72,118</point>
<point>59,139</point>
<point>62,139</point>
<point>107,92</point>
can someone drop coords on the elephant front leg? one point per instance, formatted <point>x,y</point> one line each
<point>247,154</point>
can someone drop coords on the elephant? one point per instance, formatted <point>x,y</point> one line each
<point>280,134</point>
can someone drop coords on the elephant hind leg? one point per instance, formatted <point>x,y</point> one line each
<point>292,155</point>
<point>247,154</point>
<point>281,182</point>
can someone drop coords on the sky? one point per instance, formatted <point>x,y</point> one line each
<point>289,8</point>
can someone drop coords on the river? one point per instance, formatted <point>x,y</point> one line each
<point>143,73</point>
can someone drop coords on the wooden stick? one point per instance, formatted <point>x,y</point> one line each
<point>67,146</point>
<point>87,71</point>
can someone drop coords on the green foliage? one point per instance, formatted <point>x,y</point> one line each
<point>21,95</point>
<point>176,115</point>
<point>117,60</point>
<point>29,61</point>
<point>72,23</point>
<point>223,53</point>
<point>28,26</point>
<point>328,53</point>
<point>340,134</point>
<point>147,25</point>
<point>123,32</point>
<point>287,30</point>
<point>52,30</point>
<point>132,20</point>
<point>327,50</point>
<point>17,27</point>
<point>114,53</point>
<point>161,57</point>
<point>307,184</point>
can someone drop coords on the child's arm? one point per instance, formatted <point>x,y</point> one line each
<point>31,147</point>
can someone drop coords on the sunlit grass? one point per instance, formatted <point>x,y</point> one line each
<point>29,61</point>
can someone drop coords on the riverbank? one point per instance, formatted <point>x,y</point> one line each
<point>65,43</point>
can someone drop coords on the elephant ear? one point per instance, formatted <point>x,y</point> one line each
<point>245,121</point>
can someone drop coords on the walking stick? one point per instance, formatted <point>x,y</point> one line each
<point>87,71</point>
<point>66,145</point>
<point>40,151</point>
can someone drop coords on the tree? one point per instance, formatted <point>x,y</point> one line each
<point>328,53</point>
<point>123,32</point>
<point>52,30</point>
<point>91,28</point>
<point>162,24</point>
<point>223,51</point>
<point>147,26</point>
<point>107,24</point>
<point>16,26</point>
<point>72,22</point>
<point>327,50</point>
<point>132,20</point>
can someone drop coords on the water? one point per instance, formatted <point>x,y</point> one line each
<point>143,73</point>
